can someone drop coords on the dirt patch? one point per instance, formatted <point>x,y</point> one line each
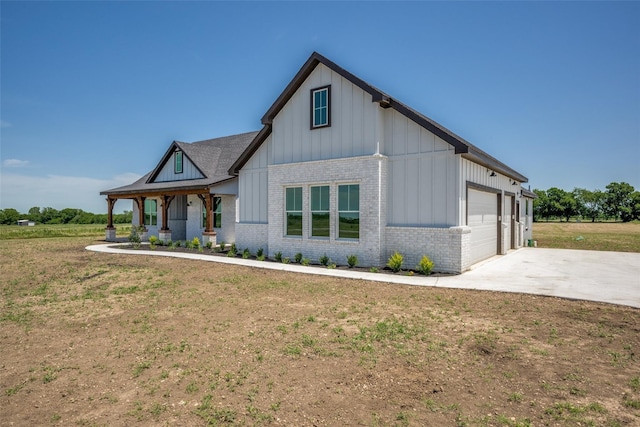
<point>101,339</point>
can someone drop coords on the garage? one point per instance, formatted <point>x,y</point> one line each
<point>482,217</point>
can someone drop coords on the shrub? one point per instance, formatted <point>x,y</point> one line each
<point>425,266</point>
<point>170,244</point>
<point>223,245</point>
<point>260,252</point>
<point>352,260</point>
<point>278,256</point>
<point>373,270</point>
<point>324,260</point>
<point>188,244</point>
<point>331,266</point>
<point>233,251</point>
<point>395,262</point>
<point>246,254</point>
<point>305,261</point>
<point>260,257</point>
<point>178,243</point>
<point>134,237</point>
<point>153,241</point>
<point>298,257</point>
<point>209,244</point>
<point>286,260</point>
<point>195,242</point>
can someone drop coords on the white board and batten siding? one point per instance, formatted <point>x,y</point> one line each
<point>355,123</point>
<point>423,175</point>
<point>189,171</point>
<point>253,186</point>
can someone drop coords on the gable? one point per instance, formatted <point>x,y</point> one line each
<point>168,172</point>
<point>377,97</point>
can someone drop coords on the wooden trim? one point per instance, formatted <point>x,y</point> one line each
<point>500,215</point>
<point>207,199</point>
<point>110,204</point>
<point>140,201</point>
<point>165,203</point>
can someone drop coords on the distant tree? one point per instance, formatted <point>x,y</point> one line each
<point>34,214</point>
<point>540,205</point>
<point>9,216</point>
<point>49,216</point>
<point>590,204</point>
<point>618,201</point>
<point>559,203</point>
<point>124,218</point>
<point>635,205</point>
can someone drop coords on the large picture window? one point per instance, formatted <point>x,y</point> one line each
<point>320,107</point>
<point>349,211</point>
<point>150,212</point>
<point>177,161</point>
<point>320,211</point>
<point>217,213</point>
<point>293,197</point>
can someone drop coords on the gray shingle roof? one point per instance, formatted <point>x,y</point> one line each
<point>213,157</point>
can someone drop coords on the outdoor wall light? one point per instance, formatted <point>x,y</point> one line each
<point>492,173</point>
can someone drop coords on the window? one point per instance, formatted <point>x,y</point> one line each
<point>294,211</point>
<point>177,161</point>
<point>217,213</point>
<point>320,211</point>
<point>150,212</point>
<point>320,104</point>
<point>349,211</point>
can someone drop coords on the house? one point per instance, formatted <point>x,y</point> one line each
<point>26,223</point>
<point>341,168</point>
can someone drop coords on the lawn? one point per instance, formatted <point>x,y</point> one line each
<point>117,340</point>
<point>599,236</point>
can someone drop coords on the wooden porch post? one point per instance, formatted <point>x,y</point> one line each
<point>110,231</point>
<point>110,203</point>
<point>166,201</point>
<point>140,201</point>
<point>209,234</point>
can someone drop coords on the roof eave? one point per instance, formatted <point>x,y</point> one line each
<point>250,150</point>
<point>482,158</point>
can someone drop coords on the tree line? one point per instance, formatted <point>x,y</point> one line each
<point>65,216</point>
<point>619,202</point>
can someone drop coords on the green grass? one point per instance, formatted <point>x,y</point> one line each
<point>59,230</point>
<point>599,236</point>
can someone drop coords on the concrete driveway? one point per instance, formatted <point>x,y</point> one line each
<point>612,277</point>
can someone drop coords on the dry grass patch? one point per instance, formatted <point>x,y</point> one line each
<point>100,339</point>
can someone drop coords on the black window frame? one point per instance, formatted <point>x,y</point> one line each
<point>313,107</point>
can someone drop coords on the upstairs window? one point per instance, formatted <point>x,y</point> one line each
<point>320,211</point>
<point>177,161</point>
<point>293,211</point>
<point>150,212</point>
<point>320,107</point>
<point>349,211</point>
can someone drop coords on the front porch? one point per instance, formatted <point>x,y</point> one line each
<point>174,215</point>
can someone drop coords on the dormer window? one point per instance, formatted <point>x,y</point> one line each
<point>320,107</point>
<point>177,161</point>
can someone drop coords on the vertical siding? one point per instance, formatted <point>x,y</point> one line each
<point>353,121</point>
<point>253,186</point>
<point>189,171</point>
<point>423,175</point>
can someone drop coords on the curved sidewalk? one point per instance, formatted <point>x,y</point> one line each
<point>611,277</point>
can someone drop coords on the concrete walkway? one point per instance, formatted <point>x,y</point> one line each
<point>611,277</point>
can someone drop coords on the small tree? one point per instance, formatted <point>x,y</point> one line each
<point>395,262</point>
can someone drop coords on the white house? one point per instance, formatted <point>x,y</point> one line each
<point>341,168</point>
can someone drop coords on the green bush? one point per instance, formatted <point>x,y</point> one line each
<point>395,262</point>
<point>178,243</point>
<point>260,252</point>
<point>223,246</point>
<point>425,266</point>
<point>278,256</point>
<point>134,237</point>
<point>298,257</point>
<point>233,251</point>
<point>352,260</point>
<point>324,260</point>
<point>195,243</point>
<point>209,244</point>
<point>246,253</point>
<point>305,261</point>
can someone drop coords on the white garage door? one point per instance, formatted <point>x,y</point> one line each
<point>483,220</point>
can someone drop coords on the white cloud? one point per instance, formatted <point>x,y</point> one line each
<point>22,192</point>
<point>15,163</point>
<point>4,124</point>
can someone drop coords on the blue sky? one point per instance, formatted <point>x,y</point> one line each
<point>93,93</point>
